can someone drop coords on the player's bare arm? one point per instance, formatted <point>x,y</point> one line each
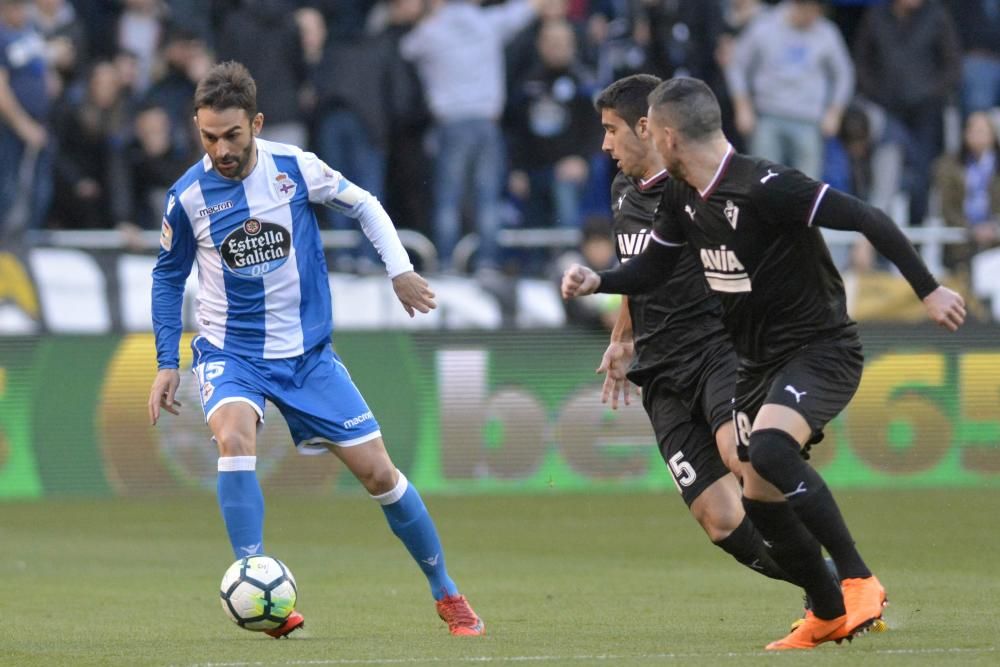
<point>162,395</point>
<point>616,360</point>
<point>414,293</point>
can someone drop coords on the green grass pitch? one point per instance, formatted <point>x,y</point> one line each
<point>560,580</point>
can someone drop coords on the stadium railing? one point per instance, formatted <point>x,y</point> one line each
<point>930,238</point>
<point>419,246</point>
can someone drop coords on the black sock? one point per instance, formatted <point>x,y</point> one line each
<point>797,553</point>
<point>774,455</point>
<point>747,546</point>
<point>819,512</point>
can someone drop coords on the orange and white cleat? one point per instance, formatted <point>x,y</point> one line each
<point>294,621</point>
<point>461,619</point>
<point>812,632</point>
<point>864,600</point>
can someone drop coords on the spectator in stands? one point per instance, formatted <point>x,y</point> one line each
<point>908,61</point>
<point>408,199</point>
<point>149,165</point>
<point>791,77</point>
<point>185,60</point>
<point>128,75</point>
<point>100,20</point>
<point>90,134</point>
<point>313,34</point>
<point>969,187</point>
<point>457,48</point>
<point>140,31</point>
<point>25,161</point>
<point>681,37</point>
<point>352,120</point>
<point>196,17</point>
<point>64,35</point>
<point>343,19</point>
<point>552,131</point>
<point>737,15</point>
<point>522,52</point>
<point>978,25</point>
<point>263,35</point>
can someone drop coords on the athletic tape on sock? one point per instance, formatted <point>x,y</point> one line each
<point>237,463</point>
<point>390,497</point>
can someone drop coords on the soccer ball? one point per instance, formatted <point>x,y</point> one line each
<point>258,593</point>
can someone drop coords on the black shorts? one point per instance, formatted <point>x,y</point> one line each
<point>817,381</point>
<point>685,418</point>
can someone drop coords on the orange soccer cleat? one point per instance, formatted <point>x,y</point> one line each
<point>831,567</point>
<point>812,632</point>
<point>864,600</point>
<point>462,621</point>
<point>294,621</point>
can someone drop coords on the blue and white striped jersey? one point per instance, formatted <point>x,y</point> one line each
<point>263,286</point>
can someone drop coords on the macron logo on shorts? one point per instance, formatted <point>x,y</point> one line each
<point>354,421</point>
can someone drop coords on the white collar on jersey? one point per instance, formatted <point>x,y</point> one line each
<point>718,172</point>
<point>643,182</point>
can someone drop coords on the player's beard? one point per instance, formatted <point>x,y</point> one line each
<point>237,167</point>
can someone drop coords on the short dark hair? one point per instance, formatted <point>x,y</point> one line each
<point>627,97</point>
<point>691,105</point>
<point>227,85</point>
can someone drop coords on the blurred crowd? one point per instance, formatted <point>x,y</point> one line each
<point>465,116</point>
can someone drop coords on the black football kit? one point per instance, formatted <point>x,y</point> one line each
<point>684,361</point>
<point>754,232</point>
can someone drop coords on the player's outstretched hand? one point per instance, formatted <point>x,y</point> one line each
<point>614,365</point>
<point>578,280</point>
<point>414,293</point>
<point>946,307</point>
<point>162,394</point>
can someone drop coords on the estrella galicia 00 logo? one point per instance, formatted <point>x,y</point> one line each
<point>256,247</point>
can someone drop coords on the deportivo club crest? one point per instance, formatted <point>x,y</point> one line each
<point>284,185</point>
<point>732,213</point>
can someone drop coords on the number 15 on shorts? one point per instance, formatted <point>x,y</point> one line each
<point>682,471</point>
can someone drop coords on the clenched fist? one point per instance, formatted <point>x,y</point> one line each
<point>578,280</point>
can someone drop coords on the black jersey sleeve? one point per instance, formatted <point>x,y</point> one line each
<point>667,225</point>
<point>644,272</point>
<point>786,196</point>
<point>841,211</point>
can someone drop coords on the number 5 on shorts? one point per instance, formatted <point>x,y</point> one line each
<point>682,470</point>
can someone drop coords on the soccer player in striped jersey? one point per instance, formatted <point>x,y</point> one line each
<point>754,226</point>
<point>244,214</point>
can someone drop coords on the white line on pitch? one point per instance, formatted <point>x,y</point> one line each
<point>553,658</point>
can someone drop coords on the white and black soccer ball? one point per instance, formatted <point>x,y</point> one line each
<point>258,593</point>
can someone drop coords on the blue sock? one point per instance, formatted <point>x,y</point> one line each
<point>410,522</point>
<point>242,504</point>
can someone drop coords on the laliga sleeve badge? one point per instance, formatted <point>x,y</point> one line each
<point>166,235</point>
